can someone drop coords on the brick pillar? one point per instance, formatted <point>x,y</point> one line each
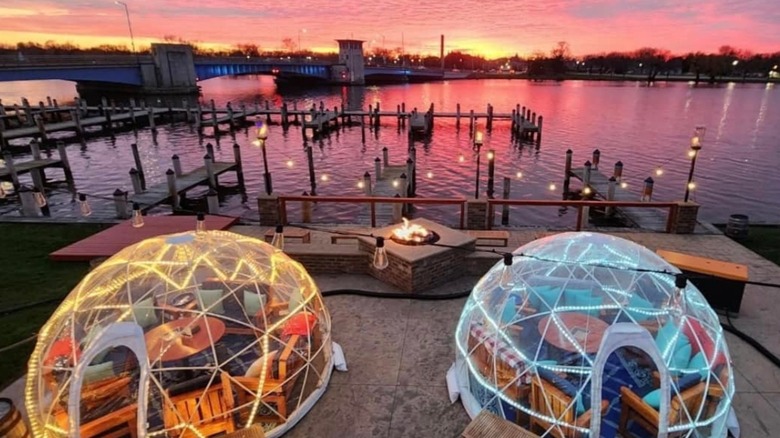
<point>684,222</point>
<point>268,206</point>
<point>476,214</point>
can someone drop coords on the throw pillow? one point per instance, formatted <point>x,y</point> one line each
<point>635,304</point>
<point>509,311</point>
<point>95,373</point>
<point>144,314</point>
<point>653,398</point>
<point>253,302</point>
<point>699,363</point>
<point>256,368</point>
<point>583,298</point>
<point>211,300</point>
<point>547,294</point>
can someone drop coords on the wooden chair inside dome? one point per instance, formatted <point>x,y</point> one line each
<point>201,412</point>
<point>548,400</point>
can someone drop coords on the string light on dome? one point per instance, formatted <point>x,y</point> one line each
<point>200,224</point>
<point>278,240</point>
<point>138,217</point>
<point>380,254</point>
<point>84,205</point>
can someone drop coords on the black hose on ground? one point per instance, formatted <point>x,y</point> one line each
<point>729,327</point>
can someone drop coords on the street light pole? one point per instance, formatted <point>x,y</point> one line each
<point>698,134</point>
<point>262,136</point>
<point>129,26</point>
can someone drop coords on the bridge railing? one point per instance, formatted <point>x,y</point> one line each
<point>21,60</point>
<point>220,60</point>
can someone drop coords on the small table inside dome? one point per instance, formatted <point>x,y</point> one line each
<point>586,330</point>
<point>171,342</point>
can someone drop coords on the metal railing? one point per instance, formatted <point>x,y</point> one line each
<point>372,201</point>
<point>581,205</point>
<point>16,61</point>
<point>672,207</point>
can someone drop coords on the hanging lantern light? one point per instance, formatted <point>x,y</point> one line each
<point>84,205</point>
<point>40,198</point>
<point>290,163</point>
<point>380,254</point>
<point>659,171</point>
<point>519,174</point>
<point>461,158</point>
<point>507,276</point>
<point>2,192</point>
<point>552,186</point>
<point>278,240</point>
<point>200,225</point>
<point>676,302</point>
<point>138,218</point>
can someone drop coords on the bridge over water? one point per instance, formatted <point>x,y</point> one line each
<point>172,68</point>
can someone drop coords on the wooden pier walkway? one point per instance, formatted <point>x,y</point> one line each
<point>646,218</point>
<point>160,193</point>
<point>21,167</point>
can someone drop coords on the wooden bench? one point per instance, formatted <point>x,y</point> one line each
<point>722,283</point>
<point>290,233</point>
<point>490,237</point>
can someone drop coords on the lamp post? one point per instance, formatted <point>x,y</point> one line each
<point>478,147</point>
<point>698,134</point>
<point>129,26</point>
<point>262,136</point>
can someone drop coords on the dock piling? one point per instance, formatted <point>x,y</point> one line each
<point>378,168</point>
<point>586,173</point>
<point>267,113</point>
<point>138,165</point>
<point>457,116</point>
<point>66,168</point>
<point>239,165</point>
<point>120,204</point>
<point>312,177</point>
<point>505,195</point>
<point>9,164</point>
<point>214,121</point>
<point>306,210</point>
<point>29,206</point>
<point>567,173</point>
<point>491,156</point>
<point>188,112</point>
<point>612,182</point>
<point>41,129</point>
<point>397,210</point>
<point>647,191</point>
<point>618,172</point>
<point>28,114</point>
<point>176,165</point>
<point>231,122</point>
<point>471,122</point>
<point>596,159</point>
<point>136,181</point>
<point>367,184</point>
<point>170,176</point>
<point>210,150</point>
<point>150,114</point>
<point>209,164</point>
<point>212,199</point>
<point>385,156</point>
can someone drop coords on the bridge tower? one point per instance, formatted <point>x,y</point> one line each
<point>351,56</point>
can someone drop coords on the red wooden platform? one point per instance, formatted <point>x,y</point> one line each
<point>108,242</point>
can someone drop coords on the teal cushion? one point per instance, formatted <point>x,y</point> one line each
<point>668,333</point>
<point>681,357</point>
<point>574,297</point>
<point>699,363</point>
<point>509,311</point>
<point>653,398</point>
<point>94,373</point>
<point>638,303</point>
<point>211,300</point>
<point>144,314</point>
<point>583,298</point>
<point>253,302</point>
<point>548,294</point>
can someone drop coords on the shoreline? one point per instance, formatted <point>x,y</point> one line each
<point>619,78</point>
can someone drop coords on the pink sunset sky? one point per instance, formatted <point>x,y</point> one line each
<point>489,27</point>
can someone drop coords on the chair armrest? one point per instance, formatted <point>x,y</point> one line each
<point>288,349</point>
<point>584,419</point>
<point>631,400</point>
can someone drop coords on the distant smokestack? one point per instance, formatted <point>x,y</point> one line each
<point>441,52</point>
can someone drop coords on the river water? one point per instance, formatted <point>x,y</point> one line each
<point>643,126</point>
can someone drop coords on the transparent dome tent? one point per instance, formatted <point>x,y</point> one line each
<point>586,334</point>
<point>195,334</point>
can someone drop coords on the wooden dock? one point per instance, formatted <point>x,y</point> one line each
<point>28,166</point>
<point>646,218</point>
<point>160,193</point>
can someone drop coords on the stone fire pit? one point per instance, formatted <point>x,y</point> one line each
<point>418,267</point>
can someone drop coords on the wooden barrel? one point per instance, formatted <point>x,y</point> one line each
<point>12,424</point>
<point>737,227</point>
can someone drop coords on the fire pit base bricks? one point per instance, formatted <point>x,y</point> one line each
<point>414,268</point>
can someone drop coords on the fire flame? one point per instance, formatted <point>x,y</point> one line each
<point>411,232</point>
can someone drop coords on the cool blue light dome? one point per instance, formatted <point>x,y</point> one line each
<point>539,342</point>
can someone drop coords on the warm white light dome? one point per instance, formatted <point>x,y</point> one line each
<point>531,341</point>
<point>195,334</point>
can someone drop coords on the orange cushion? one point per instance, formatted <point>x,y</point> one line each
<point>299,324</point>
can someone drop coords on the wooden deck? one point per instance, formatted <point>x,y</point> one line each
<point>70,125</point>
<point>26,166</point>
<point>159,194</point>
<point>108,242</point>
<point>646,218</point>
